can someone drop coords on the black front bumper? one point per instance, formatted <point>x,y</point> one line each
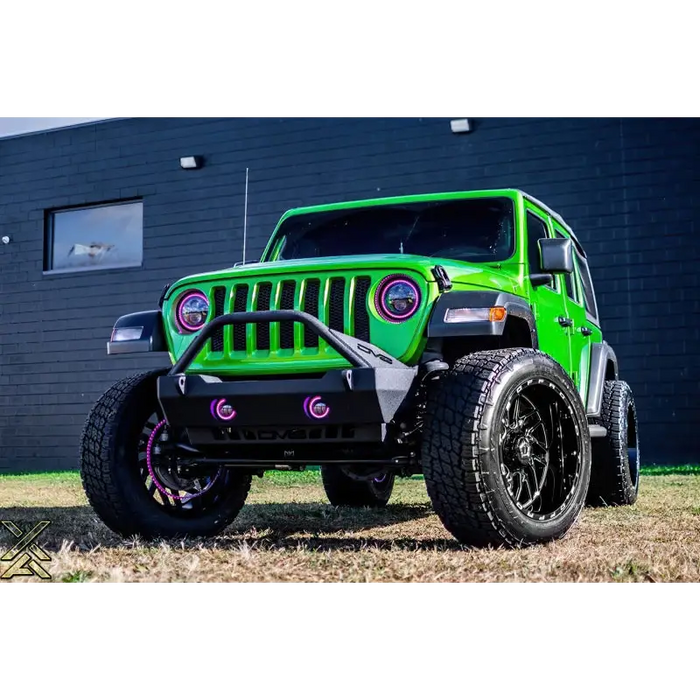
<point>267,415</point>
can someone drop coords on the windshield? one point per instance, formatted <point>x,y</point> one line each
<point>475,230</point>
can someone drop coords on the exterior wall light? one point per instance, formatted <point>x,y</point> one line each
<point>460,126</point>
<point>191,162</point>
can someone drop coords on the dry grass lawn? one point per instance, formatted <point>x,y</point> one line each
<point>288,532</point>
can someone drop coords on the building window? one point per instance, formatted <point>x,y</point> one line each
<point>94,238</point>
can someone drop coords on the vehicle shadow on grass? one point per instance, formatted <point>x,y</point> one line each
<point>311,526</point>
<point>259,525</point>
<point>75,524</point>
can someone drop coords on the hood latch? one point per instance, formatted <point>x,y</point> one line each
<point>442,278</point>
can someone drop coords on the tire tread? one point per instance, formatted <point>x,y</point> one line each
<point>611,482</point>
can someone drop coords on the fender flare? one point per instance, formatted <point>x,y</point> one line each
<point>601,354</point>
<point>514,305</point>
<point>152,338</point>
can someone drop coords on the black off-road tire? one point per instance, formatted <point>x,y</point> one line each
<point>460,453</point>
<point>615,470</point>
<point>111,476</point>
<point>343,490</point>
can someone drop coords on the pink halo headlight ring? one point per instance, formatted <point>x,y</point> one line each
<point>393,291</point>
<point>222,409</point>
<point>196,303</point>
<point>315,407</point>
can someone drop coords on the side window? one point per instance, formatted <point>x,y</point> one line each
<point>571,290</point>
<point>587,284</point>
<point>536,229</point>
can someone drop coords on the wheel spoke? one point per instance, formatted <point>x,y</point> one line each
<point>527,416</point>
<point>544,460</point>
<point>529,493</point>
<point>505,427</point>
<point>537,425</point>
<point>540,483</point>
<point>536,480</point>
<point>520,486</point>
<point>543,446</point>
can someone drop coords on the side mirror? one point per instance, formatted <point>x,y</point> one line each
<point>556,255</point>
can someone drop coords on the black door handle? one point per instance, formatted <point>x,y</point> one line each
<point>565,322</point>
<point>586,331</point>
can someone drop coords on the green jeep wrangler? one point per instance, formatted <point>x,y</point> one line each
<point>450,335</point>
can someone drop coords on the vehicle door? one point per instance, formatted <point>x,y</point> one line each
<point>580,334</point>
<point>547,300</point>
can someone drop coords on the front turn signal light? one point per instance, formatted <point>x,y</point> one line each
<point>494,314</point>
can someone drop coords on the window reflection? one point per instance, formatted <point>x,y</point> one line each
<point>96,237</point>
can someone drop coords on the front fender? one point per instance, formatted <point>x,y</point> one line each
<point>514,305</point>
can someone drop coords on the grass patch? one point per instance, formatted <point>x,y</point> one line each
<point>76,577</point>
<point>288,532</point>
<point>72,475</point>
<point>313,474</point>
<point>660,469</point>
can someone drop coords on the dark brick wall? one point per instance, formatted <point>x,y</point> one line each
<point>629,188</point>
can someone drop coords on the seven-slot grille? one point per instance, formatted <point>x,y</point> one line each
<point>336,301</point>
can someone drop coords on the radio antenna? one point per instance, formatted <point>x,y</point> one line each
<point>245,217</point>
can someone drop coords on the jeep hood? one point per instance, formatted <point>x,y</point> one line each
<point>484,275</point>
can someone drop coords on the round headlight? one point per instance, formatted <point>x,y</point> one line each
<point>397,298</point>
<point>192,311</point>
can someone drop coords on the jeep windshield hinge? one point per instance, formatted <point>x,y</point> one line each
<point>442,278</point>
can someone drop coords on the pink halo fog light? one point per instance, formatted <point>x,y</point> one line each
<point>315,407</point>
<point>222,409</point>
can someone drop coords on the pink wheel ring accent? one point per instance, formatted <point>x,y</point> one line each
<point>157,484</point>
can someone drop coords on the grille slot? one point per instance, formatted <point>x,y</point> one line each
<point>336,316</point>
<point>362,285</point>
<point>217,340</point>
<point>308,295</point>
<point>239,329</point>
<point>287,327</point>
<point>263,329</point>
<point>313,287</point>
